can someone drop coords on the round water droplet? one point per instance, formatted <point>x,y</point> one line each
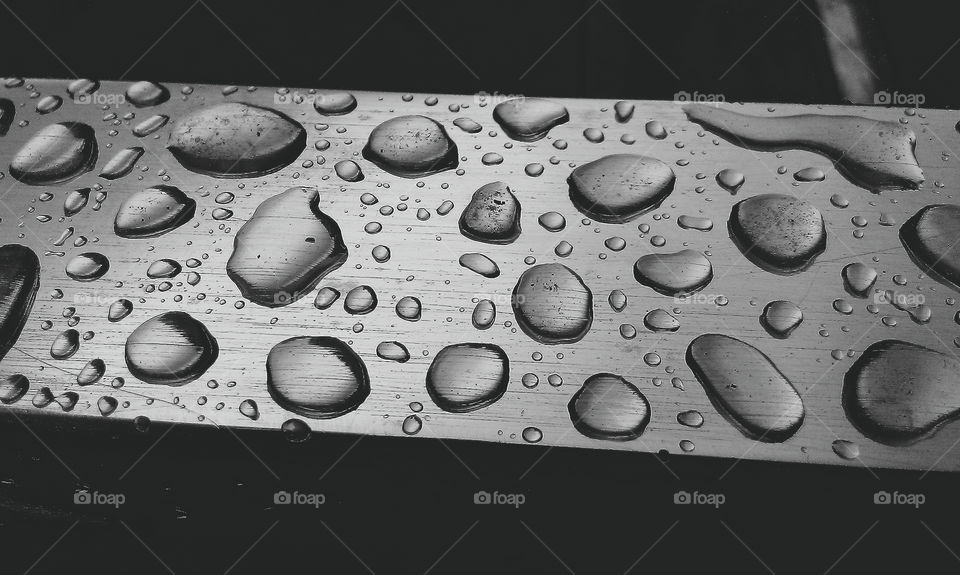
<point>468,376</point>
<point>779,233</point>
<point>360,300</point>
<point>552,304</point>
<point>172,348</point>
<point>484,314</point>
<point>609,407</point>
<point>780,318</point>
<point>393,351</point>
<point>411,147</point>
<point>492,216</point>
<point>319,377</point>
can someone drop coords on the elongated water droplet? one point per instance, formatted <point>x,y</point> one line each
<point>285,249</point>
<point>467,125</point>
<point>121,163</point>
<point>91,372</point>
<point>325,297</point>
<point>19,282</point>
<point>659,320</point>
<point>235,140</point>
<point>411,147</point>
<point>468,376</point>
<point>56,153</point>
<point>334,103</point>
<point>164,268</point>
<point>480,264</point>
<point>172,348</point>
<point>119,310</point>
<point>248,408</point>
<point>621,187</point>
<point>13,388</point>
<point>75,201</point>
<point>609,407</point>
<point>746,387</point>
<point>529,119</point>
<point>876,155</point>
<point>152,212</point>
<point>695,223</point>
<point>319,377</point>
<point>492,216</point>
<point>65,344</point>
<point>846,449</point>
<point>781,234</point>
<point>484,314</point>
<point>49,103</point>
<point>552,304</point>
<point>674,274</point>
<point>150,125</point>
<point>809,175</point>
<point>7,112</point>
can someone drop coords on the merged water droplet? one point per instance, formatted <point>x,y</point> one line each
<point>285,249</point>
<point>235,140</point>
<point>674,274</point>
<point>468,376</point>
<point>412,425</point>
<point>88,266</point>
<point>621,187</point>
<point>552,304</point>
<point>152,212</point>
<point>411,147</point>
<point>781,234</point>
<point>529,119</point>
<point>897,392</point>
<point>876,155</point>
<point>319,377</point>
<point>492,216</point>
<point>608,406</point>
<point>780,318</point>
<point>930,238</point>
<point>746,387</point>
<point>56,153</point>
<point>19,282</point>
<point>172,348</point>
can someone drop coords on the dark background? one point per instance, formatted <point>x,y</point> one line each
<point>200,500</point>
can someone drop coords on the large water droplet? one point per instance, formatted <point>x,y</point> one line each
<point>411,147</point>
<point>319,377</point>
<point>152,212</point>
<point>930,237</point>
<point>621,187</point>
<point>746,387</point>
<point>529,119</point>
<point>235,140</point>
<point>674,274</point>
<point>12,388</point>
<point>172,348</point>
<point>468,376</point>
<point>552,304</point>
<point>56,153</point>
<point>609,407</point>
<point>492,216</point>
<point>876,155</point>
<point>897,393</point>
<point>781,234</point>
<point>19,282</point>
<point>7,112</point>
<point>285,248</point>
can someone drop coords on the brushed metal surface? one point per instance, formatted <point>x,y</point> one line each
<point>424,264</point>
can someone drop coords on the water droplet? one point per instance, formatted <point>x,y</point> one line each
<point>91,372</point>
<point>295,430</point>
<point>411,147</point>
<point>858,278</point>
<point>279,255</point>
<point>153,212</point>
<point>409,308</point>
<point>609,407</point>
<point>930,238</point>
<point>56,153</point>
<point>480,264</point>
<point>49,103</point>
<point>121,163</point>
<point>334,103</point>
<point>393,351</point>
<point>655,130</point>
<point>75,201</point>
<point>145,94</point>
<point>617,300</point>
<point>780,318</point>
<point>660,320</point>
<point>348,170</point>
<point>552,305</point>
<point>171,348</point>
<point>107,405</point>
<point>19,282</point>
<point>150,125</point>
<point>13,388</point>
<point>235,140</point>
<point>532,435</point>
<point>623,111</point>
<point>730,180</point>
<point>484,314</point>
<point>360,300</point>
<point>412,425</point>
<point>319,377</point>
<point>695,223</point>
<point>468,376</point>
<point>164,268</point>
<point>467,125</point>
<point>621,187</point>
<point>492,216</point>
<point>674,274</point>
<point>552,221</point>
<point>87,267</point>
<point>691,418</point>
<point>529,119</point>
<point>65,344</point>
<point>248,408</point>
<point>746,387</point>
<point>781,234</point>
<point>809,175</point>
<point>846,449</point>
